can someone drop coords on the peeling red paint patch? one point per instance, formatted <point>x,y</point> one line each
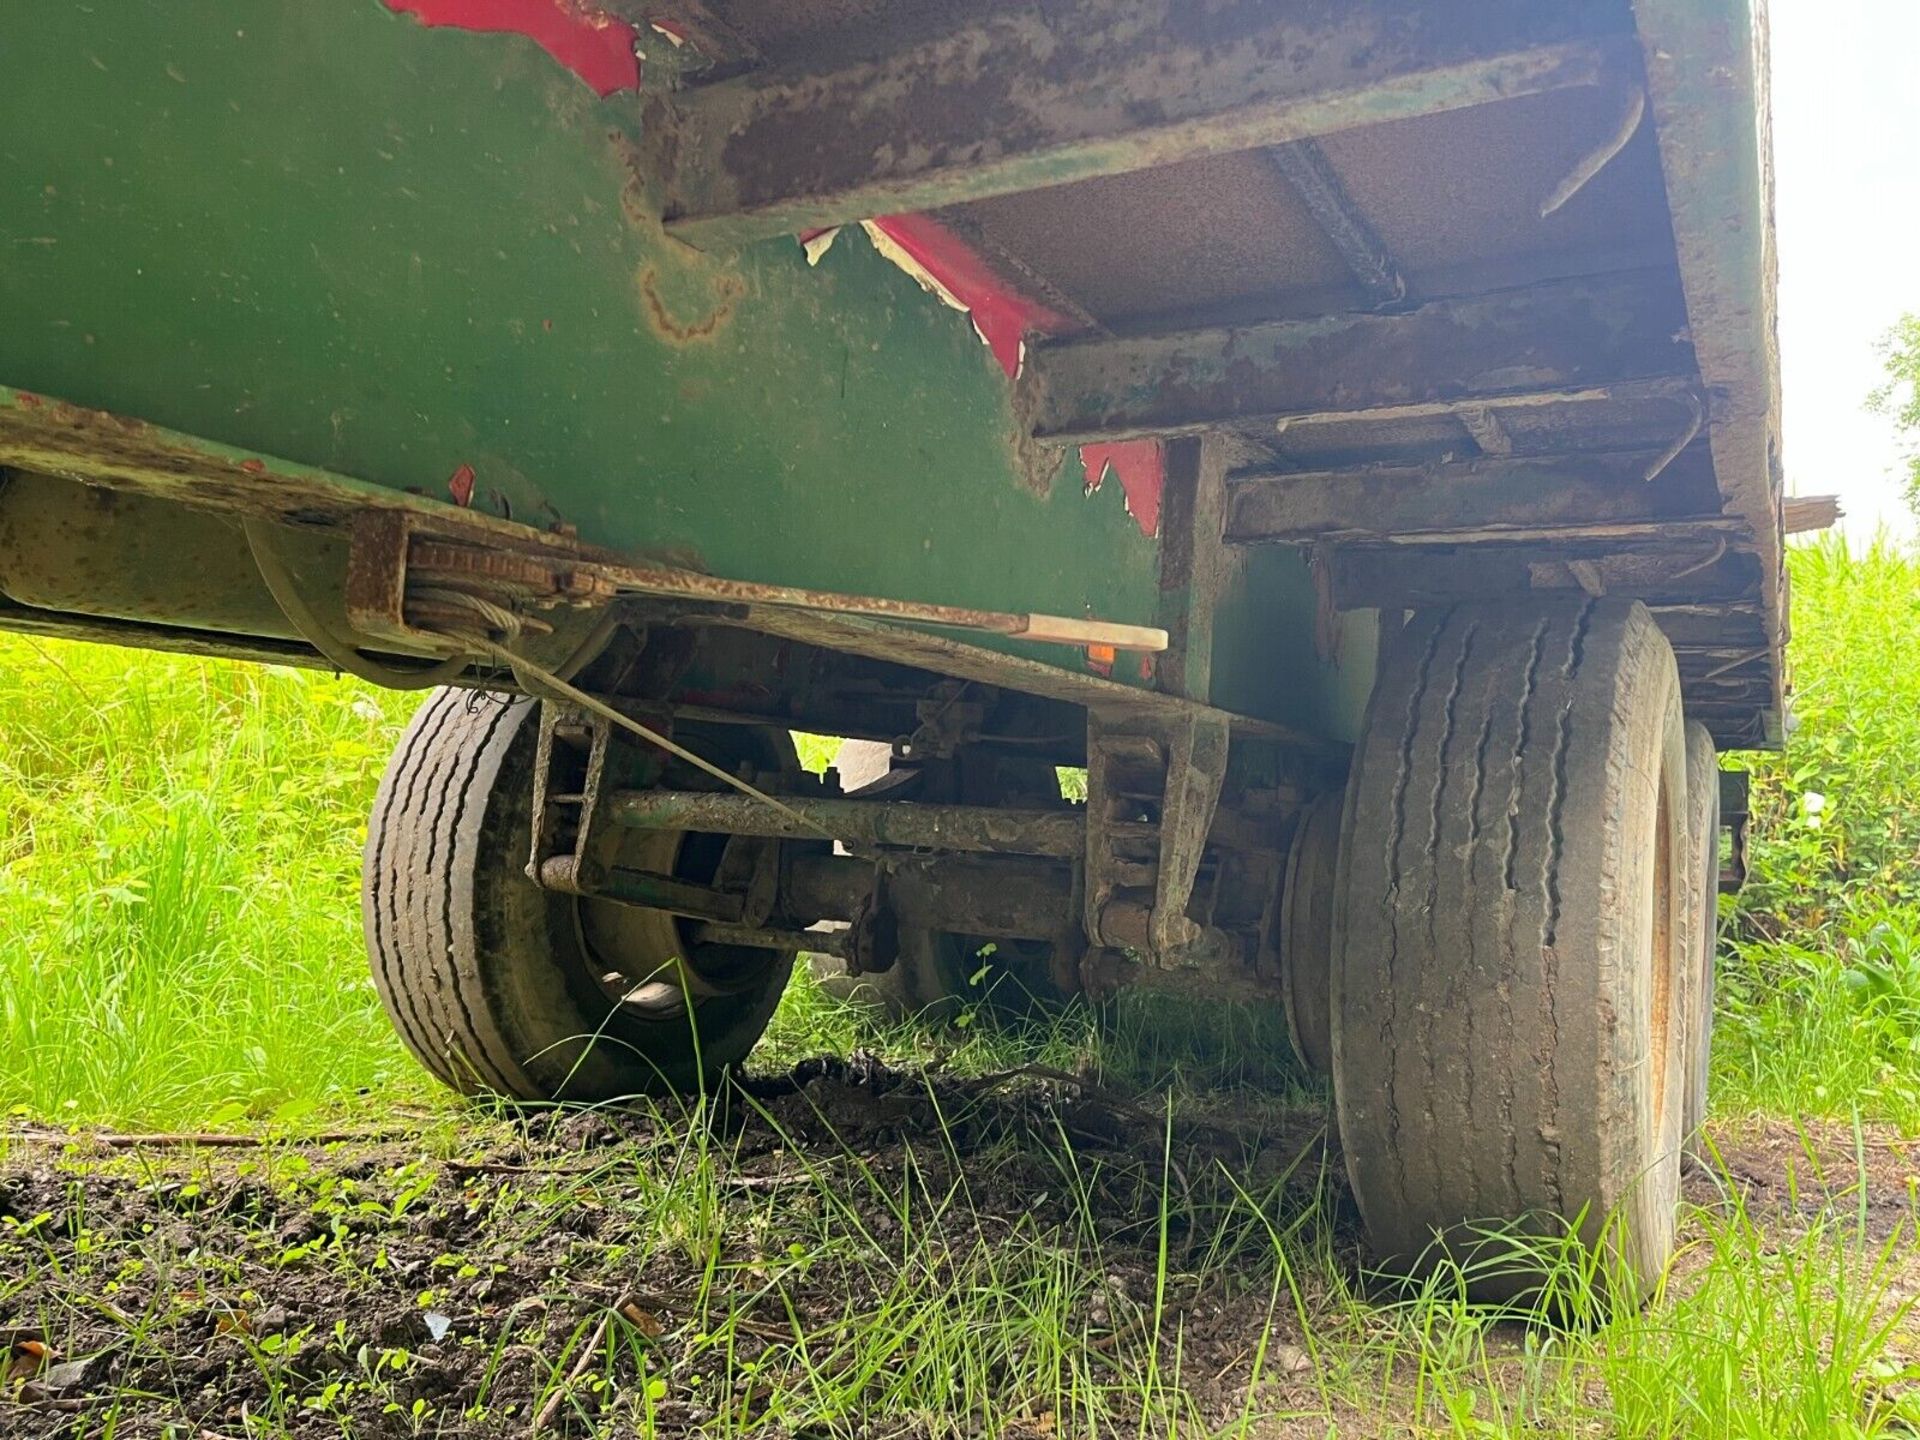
<point>1002,315</point>
<point>594,45</point>
<point>1141,468</point>
<point>460,486</point>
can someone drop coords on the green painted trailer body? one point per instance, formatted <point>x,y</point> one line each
<point>330,234</point>
<point>434,262</point>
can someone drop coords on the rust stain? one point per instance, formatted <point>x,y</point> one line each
<point>688,296</point>
<point>727,292</point>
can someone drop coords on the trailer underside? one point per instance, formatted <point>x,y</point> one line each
<point>1204,394</point>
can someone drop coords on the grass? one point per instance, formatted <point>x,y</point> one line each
<point>179,859</point>
<point>1820,970</point>
<point>179,948</point>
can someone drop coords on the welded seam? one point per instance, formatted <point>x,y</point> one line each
<point>1403,777</point>
<point>410,768</point>
<point>1448,721</point>
<point>462,789</point>
<point>1549,956</point>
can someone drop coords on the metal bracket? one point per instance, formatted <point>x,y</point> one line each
<point>569,779</point>
<point>1734,810</point>
<point>948,719</point>
<point>873,936</point>
<point>579,767</point>
<point>1151,800</point>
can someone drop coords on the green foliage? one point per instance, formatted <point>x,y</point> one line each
<point>1899,397</point>
<point>179,858</point>
<point>1820,979</point>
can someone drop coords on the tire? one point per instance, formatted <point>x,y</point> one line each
<point>938,975</point>
<point>500,987</point>
<point>1509,917</point>
<point>1306,933</point>
<point>1703,934</point>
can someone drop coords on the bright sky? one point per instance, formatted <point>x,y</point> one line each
<point>1846,135</point>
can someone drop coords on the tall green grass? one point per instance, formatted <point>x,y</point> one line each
<point>1820,966</point>
<point>179,857</point>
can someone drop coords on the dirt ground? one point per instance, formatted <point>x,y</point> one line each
<point>541,1271</point>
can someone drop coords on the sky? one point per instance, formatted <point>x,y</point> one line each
<point>1846,136</point>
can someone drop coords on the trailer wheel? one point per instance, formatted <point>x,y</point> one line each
<point>1306,932</point>
<point>1509,921</point>
<point>499,986</point>
<point>1703,915</point>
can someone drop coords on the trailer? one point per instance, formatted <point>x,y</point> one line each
<point>1349,431</point>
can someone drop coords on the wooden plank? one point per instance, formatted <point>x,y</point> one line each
<point>1028,96</point>
<point>1801,514</point>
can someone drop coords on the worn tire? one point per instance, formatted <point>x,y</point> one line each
<point>1306,932</point>
<point>1703,930</point>
<point>489,979</point>
<point>1508,922</point>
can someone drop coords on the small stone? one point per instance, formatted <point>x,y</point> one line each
<point>1291,1360</point>
<point>67,1377</point>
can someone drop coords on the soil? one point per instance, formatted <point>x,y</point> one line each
<point>206,1288</point>
<point>441,1280</point>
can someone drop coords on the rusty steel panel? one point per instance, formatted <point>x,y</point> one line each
<point>1036,96</point>
<point>1706,69</point>
<point>1403,577</point>
<point>1483,497</point>
<point>1569,334</point>
<point>425,258</point>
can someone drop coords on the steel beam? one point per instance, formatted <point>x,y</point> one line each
<point>996,897</point>
<point>1385,577</point>
<point>979,829</point>
<point>1304,164</point>
<point>1598,492</point>
<point>1706,78</point>
<point>1565,337</point>
<point>1193,562</point>
<point>1030,96</point>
